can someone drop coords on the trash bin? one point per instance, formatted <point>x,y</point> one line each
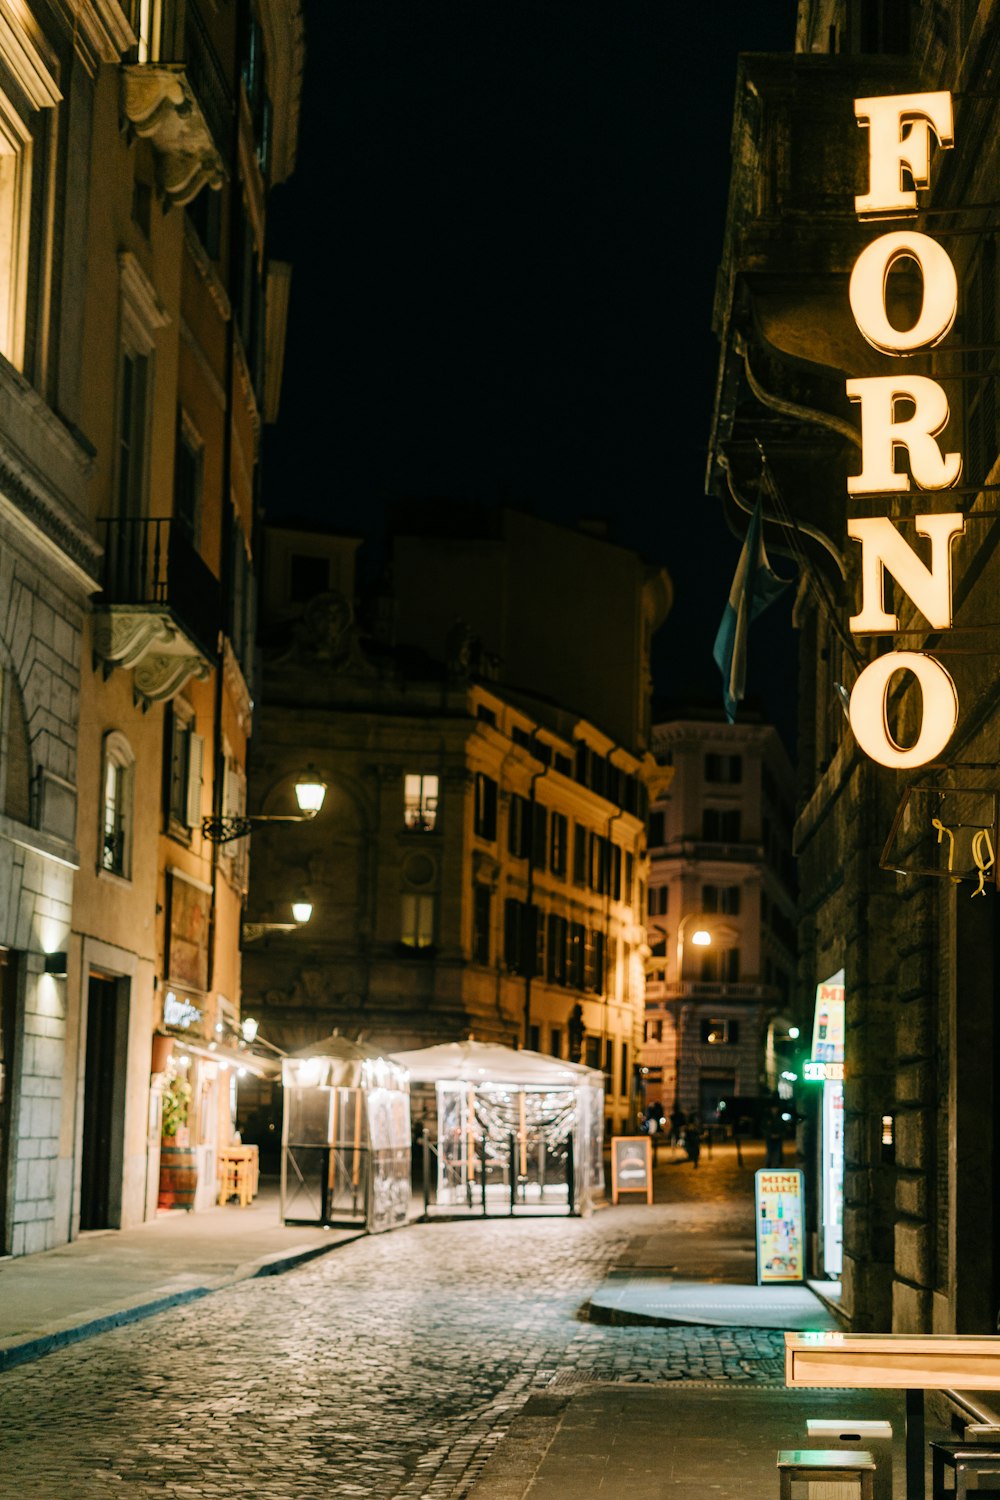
<point>876,1437</point>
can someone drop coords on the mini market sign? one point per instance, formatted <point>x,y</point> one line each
<point>900,130</point>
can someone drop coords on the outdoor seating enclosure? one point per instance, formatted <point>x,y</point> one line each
<point>345,1156</point>
<point>515,1132</point>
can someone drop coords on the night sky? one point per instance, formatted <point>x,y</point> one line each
<point>505,225</point>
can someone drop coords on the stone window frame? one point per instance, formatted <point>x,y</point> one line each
<point>116,754</point>
<point>141,315</point>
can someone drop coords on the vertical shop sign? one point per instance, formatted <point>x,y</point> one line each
<point>780,1229</point>
<point>903,413</point>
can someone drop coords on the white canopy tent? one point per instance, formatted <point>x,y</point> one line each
<point>517,1132</point>
<point>346,1136</point>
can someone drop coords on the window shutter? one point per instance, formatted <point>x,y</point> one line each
<point>196,758</point>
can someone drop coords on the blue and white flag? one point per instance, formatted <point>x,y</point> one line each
<point>755,586</point>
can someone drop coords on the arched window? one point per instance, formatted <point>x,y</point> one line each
<point>115,802</point>
<point>15,751</point>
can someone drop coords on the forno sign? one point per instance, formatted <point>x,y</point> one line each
<point>901,129</point>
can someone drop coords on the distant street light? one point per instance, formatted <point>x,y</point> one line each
<point>700,938</point>
<point>301,912</point>
<point>310,791</point>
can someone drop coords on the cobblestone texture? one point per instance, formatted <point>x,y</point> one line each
<point>390,1368</point>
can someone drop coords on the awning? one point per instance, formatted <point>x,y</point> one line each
<point>489,1062</point>
<point>232,1057</point>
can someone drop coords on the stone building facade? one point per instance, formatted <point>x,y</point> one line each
<point>479,862</point>
<point>720,863</point>
<point>141,140</point>
<point>887,894</point>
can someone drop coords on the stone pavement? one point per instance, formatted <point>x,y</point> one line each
<point>407,1364</point>
<point>109,1277</point>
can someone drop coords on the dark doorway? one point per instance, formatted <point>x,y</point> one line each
<point>8,1014</point>
<point>99,1095</point>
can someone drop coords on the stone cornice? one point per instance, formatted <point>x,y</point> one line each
<point>27,55</point>
<point>284,46</point>
<point>100,29</point>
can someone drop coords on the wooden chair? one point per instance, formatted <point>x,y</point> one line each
<point>968,1462</point>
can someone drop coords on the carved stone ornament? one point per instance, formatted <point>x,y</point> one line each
<point>327,633</point>
<point>148,641</point>
<point>158,103</point>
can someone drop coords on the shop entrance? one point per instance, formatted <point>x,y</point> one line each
<point>103,1104</point>
<point>8,1012</point>
<point>712,1089</point>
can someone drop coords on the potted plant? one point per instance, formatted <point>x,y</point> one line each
<point>178,1162</point>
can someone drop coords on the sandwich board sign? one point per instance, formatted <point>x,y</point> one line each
<point>780,1226</point>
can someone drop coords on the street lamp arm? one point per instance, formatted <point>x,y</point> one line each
<point>223,830</point>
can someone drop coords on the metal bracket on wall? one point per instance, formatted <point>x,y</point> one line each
<point>948,833</point>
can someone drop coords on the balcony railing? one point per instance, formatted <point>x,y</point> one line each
<point>708,849</point>
<point>708,989</point>
<point>154,563</point>
<point>208,82</point>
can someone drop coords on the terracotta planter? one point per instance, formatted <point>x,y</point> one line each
<point>163,1047</point>
<point>178,1176</point>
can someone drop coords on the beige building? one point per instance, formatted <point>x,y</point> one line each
<point>720,865</point>
<point>478,865</point>
<point>139,363</point>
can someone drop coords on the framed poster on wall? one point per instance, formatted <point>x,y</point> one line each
<point>779,1204</point>
<point>188,921</point>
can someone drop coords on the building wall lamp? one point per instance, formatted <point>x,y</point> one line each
<point>301,913</point>
<point>310,791</point>
<point>56,965</point>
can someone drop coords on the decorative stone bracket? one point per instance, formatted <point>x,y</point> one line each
<point>159,104</point>
<point>148,641</point>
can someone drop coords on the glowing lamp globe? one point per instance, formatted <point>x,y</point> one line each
<point>701,938</point>
<point>310,790</point>
<point>302,910</point>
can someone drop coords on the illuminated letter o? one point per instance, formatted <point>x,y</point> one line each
<point>938,718</point>
<point>868,286</point>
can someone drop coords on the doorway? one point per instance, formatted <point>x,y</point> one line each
<point>8,1014</point>
<point>103,1104</point>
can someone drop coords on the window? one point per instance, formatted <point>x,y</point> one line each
<point>623,1076</point>
<point>592,1051</point>
<point>420,802</point>
<point>185,760</point>
<point>721,825</point>
<point>187,478</point>
<point>133,405</point>
<point>656,829</point>
<point>482,901</point>
<point>629,879</point>
<point>616,872</point>
<point>556,967</point>
<point>416,928</point>
<point>659,896</point>
<point>519,827</point>
<point>720,965</point>
<point>579,855</point>
<point>723,899</point>
<point>599,871</point>
<point>487,715</point>
<point>654,1031</point>
<point>241,603</point>
<point>524,938</point>
<point>205,215</point>
<point>555,1041</point>
<point>146,19</point>
<point>534,1038</point>
<point>24,151</point>
<point>609,1063</point>
<point>308,576</point>
<point>727,769</point>
<point>720,1033</point>
<point>117,764</point>
<point>485,817</point>
<point>539,828</point>
<point>577,954</point>
<point>234,805</point>
<point>15,751</point>
<point>558,837</point>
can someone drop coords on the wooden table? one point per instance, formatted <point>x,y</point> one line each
<point>913,1362</point>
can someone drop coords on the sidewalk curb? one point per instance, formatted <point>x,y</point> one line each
<point>46,1343</point>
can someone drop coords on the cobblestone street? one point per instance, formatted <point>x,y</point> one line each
<point>389,1368</point>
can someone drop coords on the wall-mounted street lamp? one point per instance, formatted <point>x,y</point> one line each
<point>301,913</point>
<point>700,938</point>
<point>310,790</point>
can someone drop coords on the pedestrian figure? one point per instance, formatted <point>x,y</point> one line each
<point>692,1140</point>
<point>678,1119</point>
<point>774,1134</point>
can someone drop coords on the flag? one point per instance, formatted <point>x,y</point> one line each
<point>755,586</point>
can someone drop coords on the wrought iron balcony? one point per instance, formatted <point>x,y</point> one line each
<point>159,611</point>
<point>185,109</point>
